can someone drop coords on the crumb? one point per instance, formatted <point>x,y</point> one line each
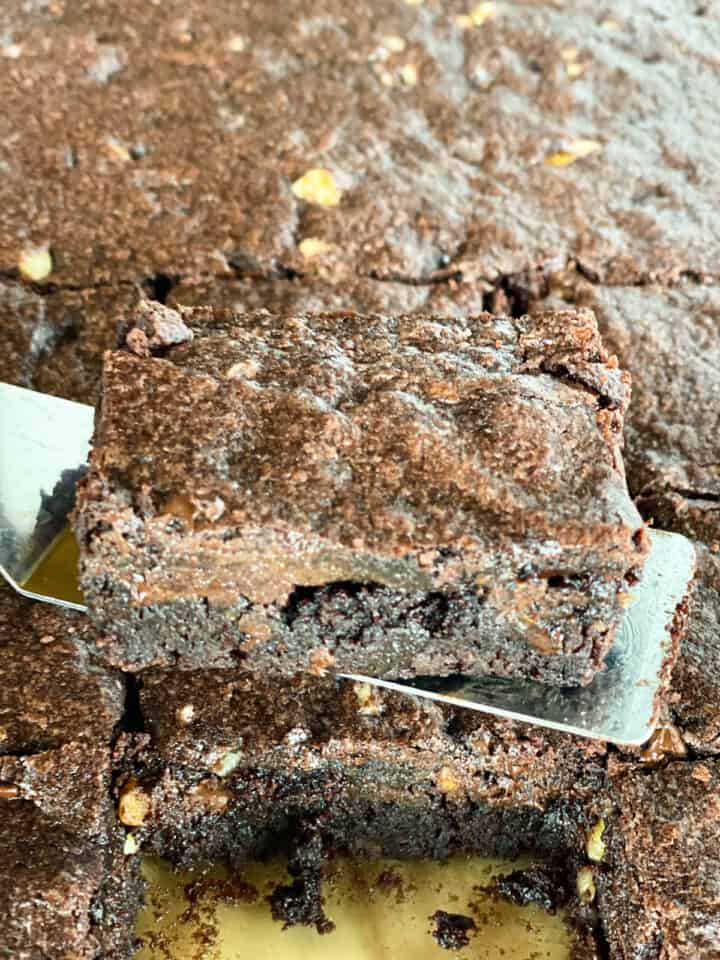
<point>452,930</point>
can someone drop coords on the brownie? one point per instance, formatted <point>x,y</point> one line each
<point>657,884</point>
<point>58,713</point>
<point>54,342</point>
<point>234,767</point>
<point>694,705</point>
<point>400,496</point>
<point>405,140</point>
<point>61,894</point>
<point>65,886</point>
<point>668,339</point>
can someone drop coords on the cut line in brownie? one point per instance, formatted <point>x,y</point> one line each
<point>390,496</point>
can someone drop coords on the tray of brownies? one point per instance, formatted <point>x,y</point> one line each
<point>359,480</point>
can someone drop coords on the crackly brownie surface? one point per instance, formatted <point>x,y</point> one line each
<point>403,496</point>
<point>58,714</point>
<point>659,893</point>
<point>51,692</point>
<point>54,342</point>
<point>671,338</point>
<point>404,139</point>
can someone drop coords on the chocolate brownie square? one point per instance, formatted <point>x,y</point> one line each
<point>66,888</point>
<point>62,894</point>
<point>667,338</point>
<point>234,768</point>
<point>59,711</point>
<point>657,881</point>
<point>396,496</point>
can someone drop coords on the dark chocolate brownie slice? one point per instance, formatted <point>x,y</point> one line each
<point>657,880</point>
<point>235,767</point>
<point>65,886</point>
<point>404,140</point>
<point>62,895</point>
<point>392,496</point>
<point>58,713</point>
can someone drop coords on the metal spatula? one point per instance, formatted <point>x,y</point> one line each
<point>44,444</point>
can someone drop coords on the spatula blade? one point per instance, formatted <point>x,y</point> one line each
<point>620,705</point>
<point>44,444</point>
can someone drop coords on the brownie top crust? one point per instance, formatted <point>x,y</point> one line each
<point>401,139</point>
<point>346,447</point>
<point>51,691</point>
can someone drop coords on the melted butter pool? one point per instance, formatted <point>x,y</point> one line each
<point>382,911</point>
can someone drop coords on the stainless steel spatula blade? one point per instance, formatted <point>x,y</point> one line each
<point>43,449</point>
<point>44,443</point>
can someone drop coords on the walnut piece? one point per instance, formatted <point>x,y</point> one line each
<point>134,805</point>
<point>35,264</point>
<point>446,781</point>
<point>317,186</point>
<point>585,883</point>
<point>595,846</point>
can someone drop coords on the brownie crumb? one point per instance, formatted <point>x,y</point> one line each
<point>452,930</point>
<point>544,884</point>
<point>232,889</point>
<point>300,903</point>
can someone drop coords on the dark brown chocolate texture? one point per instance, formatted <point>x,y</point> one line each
<point>658,895</point>
<point>395,496</point>
<point>232,760</point>
<point>668,339</point>
<point>65,888</point>
<point>200,128</point>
